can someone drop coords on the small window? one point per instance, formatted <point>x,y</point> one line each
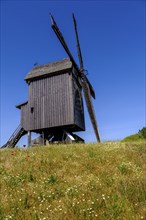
<point>32,109</point>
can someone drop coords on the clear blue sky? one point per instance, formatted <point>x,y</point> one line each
<point>112,36</point>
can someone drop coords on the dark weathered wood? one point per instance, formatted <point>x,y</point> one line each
<point>53,101</point>
<point>48,69</point>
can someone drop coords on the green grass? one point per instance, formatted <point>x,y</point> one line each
<point>74,182</point>
<point>134,137</point>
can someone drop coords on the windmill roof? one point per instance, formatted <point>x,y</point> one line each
<point>49,69</point>
<point>21,104</point>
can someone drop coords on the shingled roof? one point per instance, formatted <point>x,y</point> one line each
<point>49,69</point>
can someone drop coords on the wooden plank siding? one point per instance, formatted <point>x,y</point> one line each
<point>78,104</point>
<point>52,102</point>
<point>54,99</point>
<point>24,117</point>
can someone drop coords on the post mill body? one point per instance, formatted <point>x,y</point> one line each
<point>55,100</point>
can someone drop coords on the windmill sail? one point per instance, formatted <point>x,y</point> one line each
<point>90,107</point>
<point>62,41</point>
<point>85,85</point>
<point>78,44</point>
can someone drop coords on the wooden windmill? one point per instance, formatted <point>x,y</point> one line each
<point>55,108</point>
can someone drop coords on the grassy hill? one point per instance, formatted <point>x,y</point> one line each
<point>134,137</point>
<point>74,182</point>
<point>140,136</point>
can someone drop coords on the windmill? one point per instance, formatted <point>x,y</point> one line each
<point>54,108</point>
<point>86,85</point>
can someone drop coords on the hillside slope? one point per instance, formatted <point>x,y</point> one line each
<point>77,182</point>
<point>134,137</point>
<point>140,136</point>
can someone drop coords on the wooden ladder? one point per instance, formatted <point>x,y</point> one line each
<point>15,137</point>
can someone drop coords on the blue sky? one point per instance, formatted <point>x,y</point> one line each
<point>112,36</point>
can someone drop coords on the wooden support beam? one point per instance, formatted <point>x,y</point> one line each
<point>29,138</point>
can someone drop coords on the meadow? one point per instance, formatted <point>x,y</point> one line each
<point>104,181</point>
